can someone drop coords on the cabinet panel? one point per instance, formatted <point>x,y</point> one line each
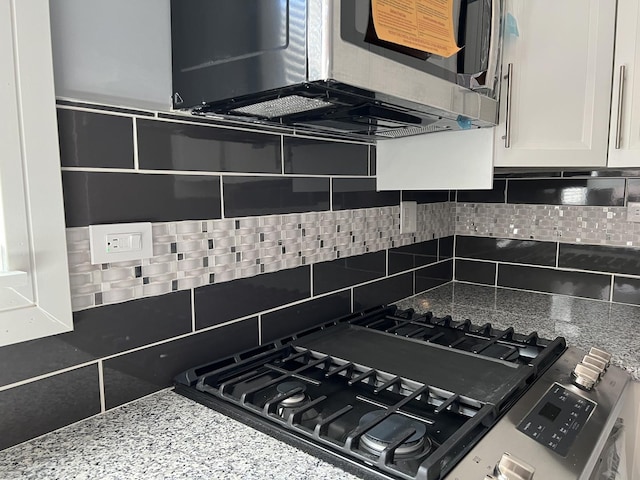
<point>624,140</point>
<point>559,86</point>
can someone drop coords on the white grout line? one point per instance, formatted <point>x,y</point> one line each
<point>136,164</point>
<point>222,199</point>
<point>281,154</point>
<point>45,375</point>
<point>331,194</point>
<point>495,280</point>
<point>103,407</point>
<point>259,329</point>
<point>352,297</point>
<point>193,310</point>
<point>311,279</point>
<point>557,254</point>
<point>198,173</point>
<point>613,276</point>
<point>548,267</point>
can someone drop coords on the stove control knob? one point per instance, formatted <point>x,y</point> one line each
<point>596,363</point>
<point>511,468</point>
<point>601,354</point>
<point>585,376</point>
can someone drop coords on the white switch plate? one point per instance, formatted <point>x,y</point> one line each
<point>408,217</point>
<point>120,242</point>
<point>633,212</point>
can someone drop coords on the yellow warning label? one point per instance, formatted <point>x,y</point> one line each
<point>425,25</point>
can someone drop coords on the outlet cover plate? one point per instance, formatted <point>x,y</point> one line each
<point>100,248</point>
<point>408,217</point>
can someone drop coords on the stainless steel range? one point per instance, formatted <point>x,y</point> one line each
<point>391,394</point>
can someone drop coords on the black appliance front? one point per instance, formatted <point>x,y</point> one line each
<point>384,393</point>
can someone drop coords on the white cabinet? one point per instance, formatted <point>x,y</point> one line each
<point>34,279</point>
<point>558,93</point>
<point>624,140</point>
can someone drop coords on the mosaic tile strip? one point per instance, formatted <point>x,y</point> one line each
<point>189,254</point>
<point>557,223</point>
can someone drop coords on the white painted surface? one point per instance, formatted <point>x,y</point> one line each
<point>440,161</point>
<point>117,51</point>
<point>560,101</point>
<point>627,55</point>
<point>31,178</point>
<point>120,242</point>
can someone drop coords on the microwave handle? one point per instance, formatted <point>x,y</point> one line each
<point>509,78</point>
<point>494,42</point>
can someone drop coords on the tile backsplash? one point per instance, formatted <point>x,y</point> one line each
<point>262,233</point>
<point>565,233</point>
<point>257,235</point>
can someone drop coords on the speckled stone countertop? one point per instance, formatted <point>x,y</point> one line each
<point>166,436</point>
<point>583,323</point>
<point>162,436</point>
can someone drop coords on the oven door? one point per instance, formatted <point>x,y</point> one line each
<point>477,31</point>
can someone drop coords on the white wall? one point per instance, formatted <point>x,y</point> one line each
<point>115,51</point>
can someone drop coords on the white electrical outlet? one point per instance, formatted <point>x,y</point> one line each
<point>633,212</point>
<point>408,217</point>
<point>120,242</point>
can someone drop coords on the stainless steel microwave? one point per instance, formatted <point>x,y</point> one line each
<point>322,65</point>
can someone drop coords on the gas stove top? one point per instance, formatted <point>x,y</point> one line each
<point>383,393</point>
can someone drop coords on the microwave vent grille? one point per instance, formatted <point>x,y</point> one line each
<point>405,132</point>
<point>283,106</point>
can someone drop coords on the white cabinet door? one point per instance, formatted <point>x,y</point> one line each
<point>559,99</point>
<point>624,141</point>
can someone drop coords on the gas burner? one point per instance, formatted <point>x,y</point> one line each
<point>290,404</point>
<point>380,437</point>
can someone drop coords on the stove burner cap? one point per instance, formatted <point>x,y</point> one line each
<point>381,436</point>
<point>294,400</point>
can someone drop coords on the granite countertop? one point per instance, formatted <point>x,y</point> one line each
<point>583,323</point>
<point>166,436</point>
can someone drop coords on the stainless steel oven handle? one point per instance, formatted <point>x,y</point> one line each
<point>509,78</point>
<point>620,103</point>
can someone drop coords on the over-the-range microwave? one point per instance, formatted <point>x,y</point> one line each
<point>346,67</point>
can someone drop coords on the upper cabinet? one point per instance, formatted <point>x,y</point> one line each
<point>555,98</point>
<point>624,139</point>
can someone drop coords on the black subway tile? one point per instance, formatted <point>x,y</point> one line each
<point>345,272</point>
<point>633,190</point>
<point>182,146</point>
<point>411,256</point>
<point>145,371</point>
<point>95,140</point>
<point>603,173</point>
<point>577,284</point>
<point>531,252</point>
<point>384,291</point>
<point>567,191</point>
<point>99,332</point>
<point>308,156</point>
<point>246,196</point>
<point>600,258</point>
<point>445,247</point>
<point>96,197</point>
<point>219,303</point>
<point>476,272</point>
<point>372,160</point>
<point>519,173</point>
<point>351,193</point>
<point>433,276</point>
<point>626,290</point>
<point>305,315</point>
<point>495,195</point>
<point>39,407</point>
<point>425,197</point>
